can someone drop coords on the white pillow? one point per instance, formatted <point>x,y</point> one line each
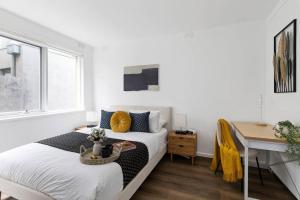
<point>154,120</point>
<point>162,123</point>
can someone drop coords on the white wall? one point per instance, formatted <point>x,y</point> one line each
<point>18,132</point>
<point>282,106</point>
<point>206,75</point>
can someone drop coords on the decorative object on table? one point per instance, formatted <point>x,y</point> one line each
<point>187,132</point>
<point>97,148</point>
<point>291,133</point>
<point>180,121</point>
<point>97,136</point>
<point>126,145</point>
<point>260,111</point>
<point>91,118</point>
<point>106,151</point>
<point>120,122</point>
<point>87,156</point>
<point>284,59</point>
<point>184,145</point>
<point>141,77</point>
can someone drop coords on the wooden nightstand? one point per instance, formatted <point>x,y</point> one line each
<point>83,127</point>
<point>184,145</point>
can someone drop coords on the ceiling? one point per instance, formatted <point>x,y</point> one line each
<point>97,22</point>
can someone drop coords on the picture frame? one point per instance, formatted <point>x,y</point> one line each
<point>284,59</point>
<point>141,78</point>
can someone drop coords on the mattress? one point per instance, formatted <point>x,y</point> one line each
<point>60,175</point>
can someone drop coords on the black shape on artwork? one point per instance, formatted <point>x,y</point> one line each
<point>136,82</point>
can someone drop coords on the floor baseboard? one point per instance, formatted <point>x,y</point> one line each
<point>252,163</point>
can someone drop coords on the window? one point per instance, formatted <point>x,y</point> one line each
<point>20,65</point>
<point>37,78</point>
<point>63,80</point>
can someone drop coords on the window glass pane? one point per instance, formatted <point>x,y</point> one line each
<point>20,65</point>
<point>63,80</point>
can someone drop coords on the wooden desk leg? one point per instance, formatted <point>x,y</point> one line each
<point>171,154</point>
<point>193,160</point>
<point>246,175</point>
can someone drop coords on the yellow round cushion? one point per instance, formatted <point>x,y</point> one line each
<point>120,122</point>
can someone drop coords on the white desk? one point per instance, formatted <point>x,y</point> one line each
<point>253,136</point>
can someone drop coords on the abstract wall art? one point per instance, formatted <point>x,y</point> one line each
<point>141,77</point>
<point>284,59</point>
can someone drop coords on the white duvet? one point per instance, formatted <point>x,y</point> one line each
<point>60,175</point>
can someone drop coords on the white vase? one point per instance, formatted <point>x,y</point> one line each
<point>97,148</point>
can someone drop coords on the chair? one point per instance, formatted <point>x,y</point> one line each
<point>251,153</point>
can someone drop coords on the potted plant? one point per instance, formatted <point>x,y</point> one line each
<point>291,133</point>
<point>97,136</point>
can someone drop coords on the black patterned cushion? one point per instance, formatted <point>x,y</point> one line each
<point>105,119</point>
<point>139,122</point>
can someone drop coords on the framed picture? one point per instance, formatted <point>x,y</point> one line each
<point>284,59</point>
<point>141,77</point>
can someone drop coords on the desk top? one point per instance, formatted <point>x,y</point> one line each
<point>251,130</point>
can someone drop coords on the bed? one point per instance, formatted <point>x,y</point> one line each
<point>58,174</point>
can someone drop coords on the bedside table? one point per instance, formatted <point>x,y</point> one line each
<point>184,145</point>
<point>84,126</point>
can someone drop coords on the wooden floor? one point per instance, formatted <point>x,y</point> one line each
<point>180,180</point>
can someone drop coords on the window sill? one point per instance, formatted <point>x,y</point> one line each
<point>24,116</point>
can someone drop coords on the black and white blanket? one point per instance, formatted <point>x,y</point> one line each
<point>51,167</point>
<point>131,162</point>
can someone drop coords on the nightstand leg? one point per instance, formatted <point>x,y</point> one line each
<point>171,157</point>
<point>193,160</point>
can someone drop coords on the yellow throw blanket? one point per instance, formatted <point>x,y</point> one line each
<point>229,155</point>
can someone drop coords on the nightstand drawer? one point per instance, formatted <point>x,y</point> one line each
<point>181,140</point>
<point>182,149</point>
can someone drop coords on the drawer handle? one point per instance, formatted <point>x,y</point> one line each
<point>180,145</point>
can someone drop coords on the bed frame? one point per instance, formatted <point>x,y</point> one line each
<point>24,193</point>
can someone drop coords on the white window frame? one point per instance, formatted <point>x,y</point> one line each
<point>80,83</point>
<point>43,108</point>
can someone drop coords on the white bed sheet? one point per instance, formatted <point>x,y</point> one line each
<point>154,141</point>
<point>60,175</point>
